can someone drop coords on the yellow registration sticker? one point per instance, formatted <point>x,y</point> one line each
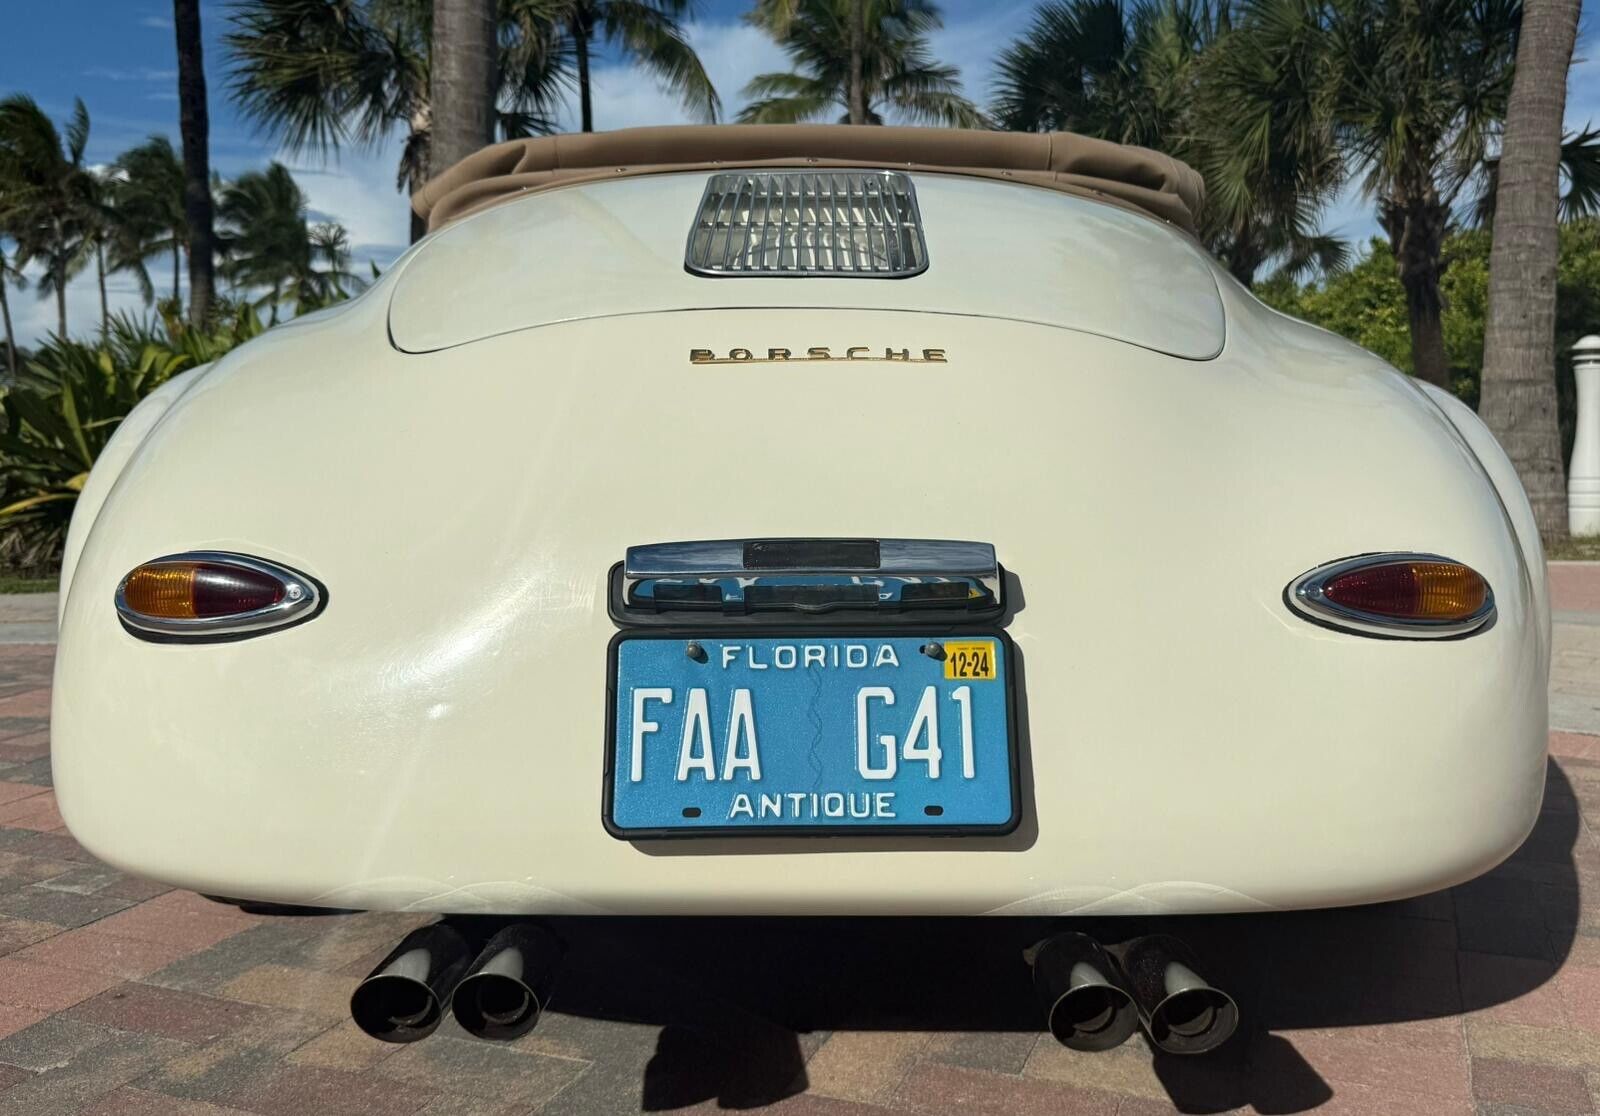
<point>972,662</point>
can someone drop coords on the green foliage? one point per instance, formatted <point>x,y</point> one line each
<point>27,585</point>
<point>68,401</point>
<point>1367,304</point>
<point>1239,104</point>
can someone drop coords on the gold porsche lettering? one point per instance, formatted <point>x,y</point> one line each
<point>820,352</point>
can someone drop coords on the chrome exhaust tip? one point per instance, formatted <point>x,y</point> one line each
<point>1181,1013</point>
<point>404,998</point>
<point>1085,1004</point>
<point>505,991</point>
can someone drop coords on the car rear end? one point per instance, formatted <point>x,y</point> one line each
<point>924,543</point>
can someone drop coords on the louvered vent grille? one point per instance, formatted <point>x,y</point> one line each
<point>797,223</point>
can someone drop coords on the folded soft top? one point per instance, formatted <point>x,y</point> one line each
<point>1134,177</point>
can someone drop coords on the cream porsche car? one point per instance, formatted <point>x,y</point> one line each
<point>802,520</point>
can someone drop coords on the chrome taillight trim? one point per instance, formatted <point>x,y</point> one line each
<point>303,599</point>
<point>799,223</point>
<point>1305,596</point>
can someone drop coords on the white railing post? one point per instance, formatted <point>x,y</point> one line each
<point>1583,477</point>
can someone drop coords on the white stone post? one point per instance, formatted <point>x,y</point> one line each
<point>1583,477</point>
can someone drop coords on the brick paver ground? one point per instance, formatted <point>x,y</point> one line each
<point>118,996</point>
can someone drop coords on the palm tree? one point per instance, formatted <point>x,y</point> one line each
<point>194,123</point>
<point>323,73</point>
<point>776,16</point>
<point>146,188</point>
<point>47,195</point>
<point>1266,144</point>
<point>462,49</point>
<point>898,72</point>
<point>100,228</point>
<point>1172,75</point>
<point>648,31</point>
<point>268,245</point>
<point>1519,388</point>
<point>1417,92</point>
<point>1077,68</point>
<point>9,274</point>
<point>1580,174</point>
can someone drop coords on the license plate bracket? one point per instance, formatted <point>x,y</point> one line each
<point>851,731</point>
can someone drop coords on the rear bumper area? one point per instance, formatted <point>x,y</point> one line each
<point>1166,785</point>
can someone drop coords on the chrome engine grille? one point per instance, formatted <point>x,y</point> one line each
<point>798,223</point>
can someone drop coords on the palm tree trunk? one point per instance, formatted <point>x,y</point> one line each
<point>100,276</point>
<point>580,42</point>
<point>11,337</point>
<point>177,260</point>
<point>194,123</point>
<point>1519,349</point>
<point>417,175</point>
<point>857,93</point>
<point>461,81</point>
<point>1245,257</point>
<point>59,275</point>
<point>1415,223</point>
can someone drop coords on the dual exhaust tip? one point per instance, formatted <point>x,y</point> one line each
<point>496,991</point>
<point>1094,1001</point>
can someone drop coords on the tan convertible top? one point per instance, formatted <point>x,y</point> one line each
<point>1134,177</point>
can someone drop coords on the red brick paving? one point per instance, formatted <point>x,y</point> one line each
<point>1574,587</point>
<point>92,949</point>
<point>1484,999</point>
<point>165,1011</point>
<point>31,984</point>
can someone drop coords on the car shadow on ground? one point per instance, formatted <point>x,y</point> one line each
<point>741,1003</point>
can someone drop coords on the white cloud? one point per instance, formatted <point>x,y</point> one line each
<point>356,188</point>
<point>139,73</point>
<point>34,317</point>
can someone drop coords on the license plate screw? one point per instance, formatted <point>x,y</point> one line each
<point>933,650</point>
<point>695,651</point>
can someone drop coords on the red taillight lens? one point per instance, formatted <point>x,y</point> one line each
<point>211,593</point>
<point>1442,591</point>
<point>1407,594</point>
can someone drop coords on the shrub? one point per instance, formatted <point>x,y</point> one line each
<point>67,401</point>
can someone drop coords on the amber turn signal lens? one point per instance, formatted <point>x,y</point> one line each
<point>199,590</point>
<point>206,595</point>
<point>1415,590</point>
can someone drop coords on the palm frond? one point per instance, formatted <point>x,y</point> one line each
<point>77,131</point>
<point>651,31</point>
<point>1580,166</point>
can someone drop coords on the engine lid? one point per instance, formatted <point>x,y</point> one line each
<point>994,249</point>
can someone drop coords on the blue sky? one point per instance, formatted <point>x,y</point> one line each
<point>118,55</point>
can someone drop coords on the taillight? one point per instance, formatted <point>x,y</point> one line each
<point>1418,596</point>
<point>208,594</point>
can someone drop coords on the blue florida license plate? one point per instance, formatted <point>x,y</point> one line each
<point>810,733</point>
